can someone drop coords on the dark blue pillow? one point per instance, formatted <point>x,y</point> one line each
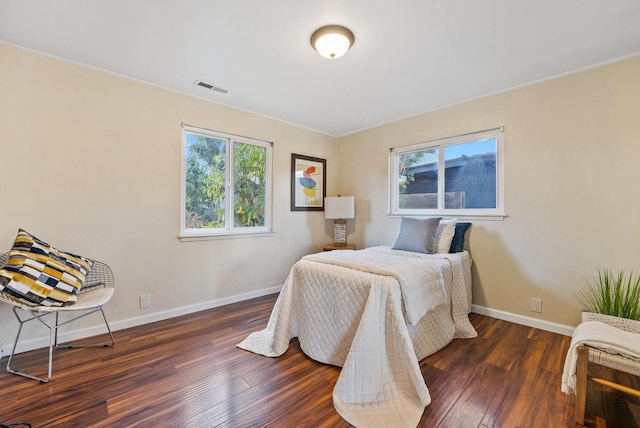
<point>457,244</point>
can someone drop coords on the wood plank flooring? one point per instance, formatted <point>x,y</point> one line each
<point>187,372</point>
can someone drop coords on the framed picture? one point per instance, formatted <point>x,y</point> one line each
<point>308,183</point>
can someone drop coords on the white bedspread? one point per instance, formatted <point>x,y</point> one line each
<point>601,336</point>
<point>423,285</point>
<point>355,310</point>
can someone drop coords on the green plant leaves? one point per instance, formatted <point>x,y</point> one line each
<point>609,293</point>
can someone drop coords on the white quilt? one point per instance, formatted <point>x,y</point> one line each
<point>356,310</point>
<point>422,285</point>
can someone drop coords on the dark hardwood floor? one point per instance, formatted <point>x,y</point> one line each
<point>187,372</point>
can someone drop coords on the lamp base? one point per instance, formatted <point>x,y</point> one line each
<point>340,233</point>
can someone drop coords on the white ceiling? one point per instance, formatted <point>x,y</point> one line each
<point>409,56</point>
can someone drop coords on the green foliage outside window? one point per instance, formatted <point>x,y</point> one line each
<point>206,177</point>
<point>249,169</point>
<point>205,181</point>
<point>408,160</point>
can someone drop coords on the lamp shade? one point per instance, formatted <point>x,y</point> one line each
<point>339,207</point>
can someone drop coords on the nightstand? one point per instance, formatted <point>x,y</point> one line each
<point>331,247</point>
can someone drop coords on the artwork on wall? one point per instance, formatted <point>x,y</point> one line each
<point>308,183</point>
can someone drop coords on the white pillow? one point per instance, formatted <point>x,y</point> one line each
<point>444,235</point>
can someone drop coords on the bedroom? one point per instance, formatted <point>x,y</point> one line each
<point>570,156</point>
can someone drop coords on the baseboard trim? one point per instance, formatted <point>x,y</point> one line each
<point>521,319</point>
<point>42,342</point>
<point>159,316</point>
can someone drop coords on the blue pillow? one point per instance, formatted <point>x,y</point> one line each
<point>457,244</point>
<point>417,235</point>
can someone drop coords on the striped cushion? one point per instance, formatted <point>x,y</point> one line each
<point>38,274</point>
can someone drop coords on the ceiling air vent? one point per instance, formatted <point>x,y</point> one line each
<point>210,86</point>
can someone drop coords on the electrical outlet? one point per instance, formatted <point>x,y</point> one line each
<point>145,301</point>
<point>536,305</point>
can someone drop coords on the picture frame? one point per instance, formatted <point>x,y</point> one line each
<point>308,183</point>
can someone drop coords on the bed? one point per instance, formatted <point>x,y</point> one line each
<point>374,312</point>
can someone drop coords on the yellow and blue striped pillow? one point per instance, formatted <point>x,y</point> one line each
<point>39,274</point>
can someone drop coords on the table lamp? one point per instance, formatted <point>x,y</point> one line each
<point>339,209</point>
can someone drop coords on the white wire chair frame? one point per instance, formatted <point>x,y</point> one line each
<point>97,290</point>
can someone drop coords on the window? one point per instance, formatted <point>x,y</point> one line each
<point>459,176</point>
<point>226,184</point>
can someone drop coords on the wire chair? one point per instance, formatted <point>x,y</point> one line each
<point>97,290</point>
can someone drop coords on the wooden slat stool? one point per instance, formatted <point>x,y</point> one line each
<point>587,354</point>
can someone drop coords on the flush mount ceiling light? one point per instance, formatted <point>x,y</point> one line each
<point>332,41</point>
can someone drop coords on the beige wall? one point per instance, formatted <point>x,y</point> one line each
<point>91,164</point>
<point>571,177</point>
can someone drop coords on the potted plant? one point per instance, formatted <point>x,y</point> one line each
<point>611,295</point>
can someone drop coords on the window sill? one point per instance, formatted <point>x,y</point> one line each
<point>470,217</point>
<point>226,235</point>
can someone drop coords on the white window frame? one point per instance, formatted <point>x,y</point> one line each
<point>229,230</point>
<point>498,212</point>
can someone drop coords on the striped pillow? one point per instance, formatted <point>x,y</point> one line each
<point>38,274</point>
